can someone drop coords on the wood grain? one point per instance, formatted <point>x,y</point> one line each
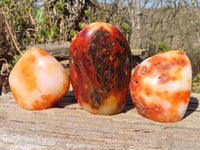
<point>67,126</point>
<point>59,51</point>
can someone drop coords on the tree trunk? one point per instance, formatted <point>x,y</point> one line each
<point>136,28</point>
<point>138,24</point>
<point>133,39</point>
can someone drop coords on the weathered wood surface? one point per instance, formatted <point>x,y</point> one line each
<point>59,50</point>
<point>137,52</point>
<point>67,126</point>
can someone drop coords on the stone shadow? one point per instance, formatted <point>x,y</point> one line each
<point>192,106</point>
<point>66,100</point>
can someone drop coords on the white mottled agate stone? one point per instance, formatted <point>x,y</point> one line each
<point>161,86</point>
<point>38,80</point>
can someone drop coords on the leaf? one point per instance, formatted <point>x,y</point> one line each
<point>60,7</point>
<point>73,33</point>
<point>163,47</point>
<point>40,15</point>
<point>16,58</point>
<point>7,1</point>
<point>81,25</point>
<point>94,19</point>
<point>196,83</point>
<point>55,33</point>
<point>126,27</point>
<point>88,13</point>
<point>44,33</point>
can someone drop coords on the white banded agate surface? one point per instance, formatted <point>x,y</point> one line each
<point>161,86</point>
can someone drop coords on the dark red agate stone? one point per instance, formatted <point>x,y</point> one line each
<point>100,68</point>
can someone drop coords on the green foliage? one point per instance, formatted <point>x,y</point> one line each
<point>31,24</point>
<point>60,7</point>
<point>181,46</point>
<point>100,20</point>
<point>18,23</point>
<point>94,19</point>
<point>196,83</point>
<point>55,33</point>
<point>163,47</point>
<point>73,33</point>
<point>126,27</point>
<point>40,15</point>
<point>45,21</point>
<point>81,25</point>
<point>137,48</point>
<point>26,8</point>
<point>88,13</point>
<point>43,35</point>
<point>16,59</point>
<point>6,1</point>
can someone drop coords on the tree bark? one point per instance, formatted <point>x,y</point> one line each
<point>139,24</point>
<point>135,14</point>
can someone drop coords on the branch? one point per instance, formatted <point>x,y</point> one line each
<point>7,67</point>
<point>131,13</point>
<point>13,39</point>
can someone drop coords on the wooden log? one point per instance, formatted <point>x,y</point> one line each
<point>137,52</point>
<point>59,50</point>
<point>67,126</point>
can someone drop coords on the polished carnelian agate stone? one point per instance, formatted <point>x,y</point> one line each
<point>100,62</point>
<point>161,85</point>
<point>38,80</point>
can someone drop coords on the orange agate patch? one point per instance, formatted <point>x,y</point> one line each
<point>27,74</point>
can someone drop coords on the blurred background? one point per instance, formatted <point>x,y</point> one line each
<point>150,26</point>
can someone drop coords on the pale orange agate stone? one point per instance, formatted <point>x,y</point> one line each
<point>38,80</point>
